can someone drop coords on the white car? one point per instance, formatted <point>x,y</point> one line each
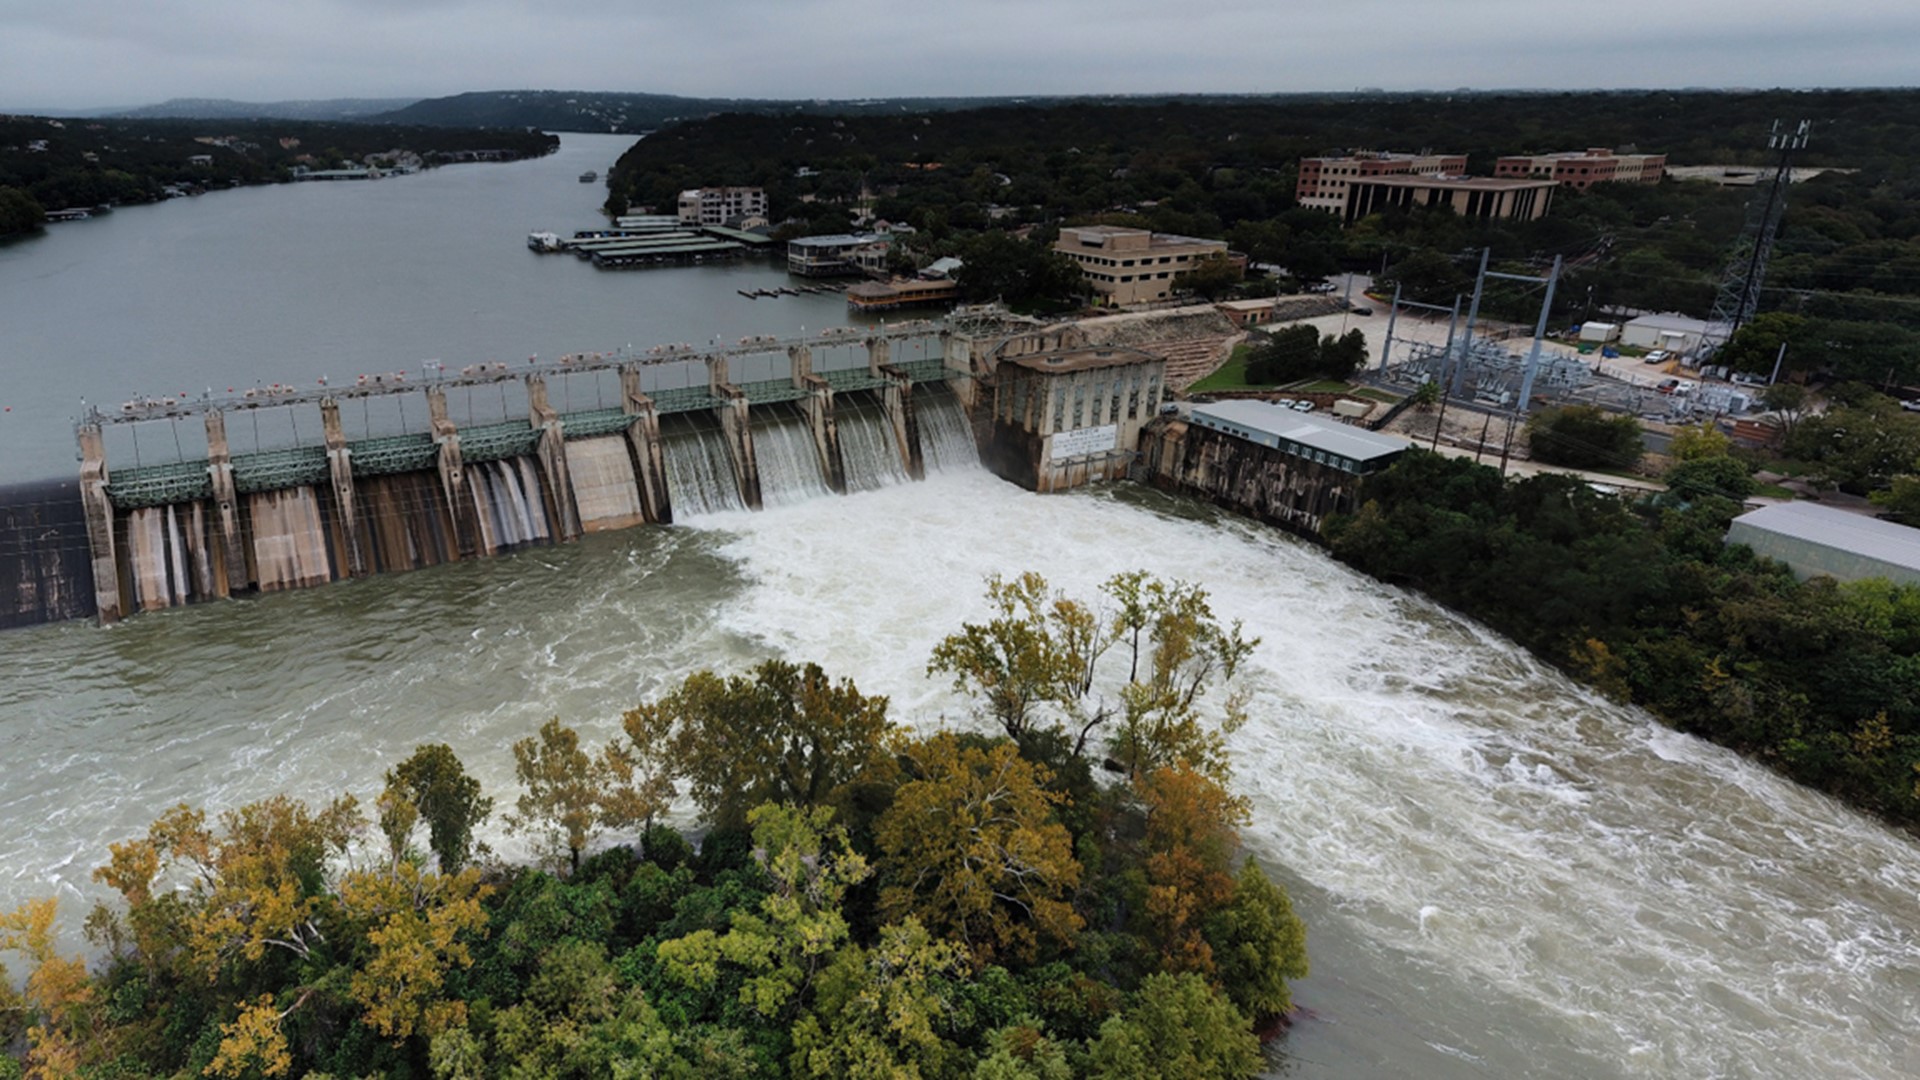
<point>1659,356</point>
<point>1911,404</point>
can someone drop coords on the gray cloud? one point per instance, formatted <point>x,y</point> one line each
<point>96,53</point>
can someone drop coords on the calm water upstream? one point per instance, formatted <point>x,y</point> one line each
<point>1502,875</point>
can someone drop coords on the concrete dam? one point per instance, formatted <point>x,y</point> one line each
<point>182,500</point>
<point>277,488</point>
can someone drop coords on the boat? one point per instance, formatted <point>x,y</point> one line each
<point>748,295</point>
<point>589,176</point>
<point>545,241</point>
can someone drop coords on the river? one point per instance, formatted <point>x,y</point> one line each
<point>1502,875</point>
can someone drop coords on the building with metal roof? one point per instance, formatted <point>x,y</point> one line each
<point>1327,442</point>
<point>1819,540</point>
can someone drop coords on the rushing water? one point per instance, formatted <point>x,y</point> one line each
<point>867,443</point>
<point>784,451</point>
<point>1501,875</point>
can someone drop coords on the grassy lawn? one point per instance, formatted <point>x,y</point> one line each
<point>1371,394</point>
<point>1322,386</point>
<point>1231,375</point>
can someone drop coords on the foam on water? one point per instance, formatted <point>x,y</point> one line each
<point>1668,907</point>
<point>1502,874</point>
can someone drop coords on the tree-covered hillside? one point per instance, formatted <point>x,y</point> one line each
<point>49,164</point>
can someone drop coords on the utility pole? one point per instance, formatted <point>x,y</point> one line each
<point>1393,315</point>
<point>1779,358</point>
<point>1473,315</point>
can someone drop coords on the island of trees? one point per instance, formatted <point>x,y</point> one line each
<point>48,164</point>
<point>1065,896</point>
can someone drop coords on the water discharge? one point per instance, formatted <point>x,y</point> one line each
<point>867,444</point>
<point>784,449</point>
<point>1503,875</point>
<point>699,474</point>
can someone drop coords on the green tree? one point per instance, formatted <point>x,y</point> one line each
<point>1789,401</point>
<point>1285,355</point>
<point>1702,440</point>
<point>1258,944</point>
<point>1177,1025</point>
<point>1211,277</point>
<point>1756,345</point>
<point>1721,476</point>
<point>570,794</point>
<point>438,787</point>
<point>1177,652</point>
<point>799,924</point>
<point>1039,649</point>
<point>789,734</point>
<point>971,850</point>
<point>879,1011</point>
<point>1584,437</point>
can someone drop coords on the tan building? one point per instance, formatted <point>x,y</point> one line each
<point>1469,196</point>
<point>718,206</point>
<point>1128,266</point>
<point>1070,417</point>
<point>1324,180</point>
<point>1581,169</point>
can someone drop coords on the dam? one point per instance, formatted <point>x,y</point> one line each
<point>282,488</point>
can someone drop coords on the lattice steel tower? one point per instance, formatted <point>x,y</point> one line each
<point>1739,295</point>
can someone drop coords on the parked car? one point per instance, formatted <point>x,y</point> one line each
<point>1911,404</point>
<point>1659,356</point>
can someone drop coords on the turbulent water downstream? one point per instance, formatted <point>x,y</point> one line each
<point>1502,875</point>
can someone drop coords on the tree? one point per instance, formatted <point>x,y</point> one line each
<point>416,924</point>
<point>974,852</point>
<point>1756,345</point>
<point>1789,401</point>
<point>1177,1025</point>
<point>1189,846</point>
<point>878,1011</point>
<point>438,786</point>
<point>1723,476</point>
<point>645,768</point>
<point>1038,649</point>
<point>1177,651</point>
<point>1258,944</point>
<point>1702,440</point>
<point>1341,356</point>
<point>1285,355</point>
<point>799,924</point>
<point>258,883</point>
<point>1901,500</point>
<point>789,734</point>
<point>1211,277</point>
<point>59,1000</point>
<point>570,795</point>
<point>1584,437</point>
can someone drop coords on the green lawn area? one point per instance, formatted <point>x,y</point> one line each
<point>1322,386</point>
<point>1231,375</point>
<point>1371,394</point>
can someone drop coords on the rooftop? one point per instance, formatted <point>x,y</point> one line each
<point>1897,545</point>
<point>1082,359</point>
<point>837,240</point>
<point>1460,183</point>
<point>1307,430</point>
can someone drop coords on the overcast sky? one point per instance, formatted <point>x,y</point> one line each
<point>81,54</point>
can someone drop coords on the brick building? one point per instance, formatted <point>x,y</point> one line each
<point>1324,181</point>
<point>1581,169</point>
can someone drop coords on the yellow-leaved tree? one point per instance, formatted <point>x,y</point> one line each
<point>974,852</point>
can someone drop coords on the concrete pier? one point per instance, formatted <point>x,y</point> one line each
<point>819,409</point>
<point>340,471</point>
<point>552,455</point>
<point>230,569</point>
<point>643,444</point>
<point>99,511</point>
<point>453,479</point>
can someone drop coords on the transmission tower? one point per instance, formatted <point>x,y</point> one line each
<point>1739,295</point>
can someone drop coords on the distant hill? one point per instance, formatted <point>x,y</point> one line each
<point>567,110</point>
<point>224,109</point>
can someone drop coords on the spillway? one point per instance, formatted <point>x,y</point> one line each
<point>699,469</point>
<point>783,445</point>
<point>946,439</point>
<point>867,443</point>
